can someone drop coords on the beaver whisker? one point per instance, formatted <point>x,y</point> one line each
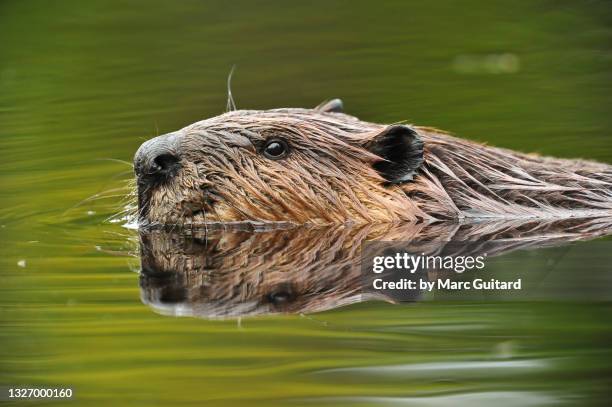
<point>231,105</point>
<point>100,195</point>
<point>143,206</point>
<point>116,160</point>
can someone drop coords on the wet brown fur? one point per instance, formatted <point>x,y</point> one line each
<point>328,176</point>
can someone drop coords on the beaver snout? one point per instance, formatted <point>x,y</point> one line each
<point>157,159</point>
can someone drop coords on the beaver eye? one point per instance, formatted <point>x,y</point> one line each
<point>275,149</point>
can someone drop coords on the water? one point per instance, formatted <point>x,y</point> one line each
<point>82,83</point>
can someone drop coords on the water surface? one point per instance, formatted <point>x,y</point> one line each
<point>85,82</point>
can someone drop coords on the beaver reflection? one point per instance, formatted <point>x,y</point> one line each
<point>228,274</point>
<point>235,273</point>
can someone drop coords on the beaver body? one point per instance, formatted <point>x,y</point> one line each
<point>322,166</point>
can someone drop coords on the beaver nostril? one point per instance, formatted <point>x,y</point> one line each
<point>163,163</point>
<point>157,158</point>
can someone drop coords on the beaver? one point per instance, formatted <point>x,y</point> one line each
<point>237,273</point>
<point>322,166</point>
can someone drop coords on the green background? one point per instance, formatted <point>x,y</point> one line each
<point>85,82</point>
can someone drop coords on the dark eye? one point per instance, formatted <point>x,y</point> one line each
<point>275,149</point>
<point>281,296</point>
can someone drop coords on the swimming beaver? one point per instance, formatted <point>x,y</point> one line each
<point>322,166</point>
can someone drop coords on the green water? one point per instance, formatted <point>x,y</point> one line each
<point>85,82</point>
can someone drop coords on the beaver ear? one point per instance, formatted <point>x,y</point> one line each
<point>402,151</point>
<point>333,106</point>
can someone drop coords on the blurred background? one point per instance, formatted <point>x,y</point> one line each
<point>84,83</point>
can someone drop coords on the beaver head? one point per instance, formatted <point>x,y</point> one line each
<point>295,165</point>
<point>322,166</point>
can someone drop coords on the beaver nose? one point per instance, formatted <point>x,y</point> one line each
<point>157,158</point>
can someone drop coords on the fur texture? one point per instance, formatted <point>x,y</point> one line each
<point>330,176</point>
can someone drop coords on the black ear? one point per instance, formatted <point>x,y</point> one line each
<point>333,106</point>
<point>401,150</point>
